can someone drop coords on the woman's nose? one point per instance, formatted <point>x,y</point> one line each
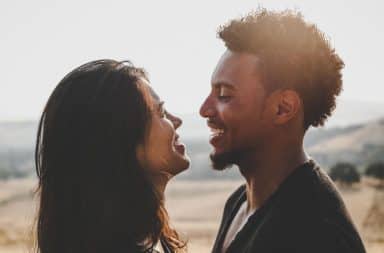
<point>176,121</point>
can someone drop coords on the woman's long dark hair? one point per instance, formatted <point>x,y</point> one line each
<point>94,196</point>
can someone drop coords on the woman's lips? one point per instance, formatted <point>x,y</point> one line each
<point>179,147</point>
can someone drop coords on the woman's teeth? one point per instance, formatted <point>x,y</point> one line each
<point>179,146</point>
<point>177,141</point>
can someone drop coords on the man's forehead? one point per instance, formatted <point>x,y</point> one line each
<point>233,66</point>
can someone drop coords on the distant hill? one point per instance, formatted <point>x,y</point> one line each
<point>17,135</point>
<point>359,143</point>
<point>348,113</point>
<point>16,148</point>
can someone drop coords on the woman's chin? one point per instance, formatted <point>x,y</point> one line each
<point>187,163</point>
<point>183,165</point>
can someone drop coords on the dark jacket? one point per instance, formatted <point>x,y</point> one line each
<point>305,215</point>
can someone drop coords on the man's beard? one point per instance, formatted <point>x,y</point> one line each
<point>225,160</point>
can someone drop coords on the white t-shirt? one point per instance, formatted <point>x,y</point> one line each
<point>158,247</point>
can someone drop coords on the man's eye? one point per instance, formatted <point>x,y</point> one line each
<point>224,95</point>
<point>224,98</point>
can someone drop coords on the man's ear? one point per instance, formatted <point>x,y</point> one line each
<point>287,106</point>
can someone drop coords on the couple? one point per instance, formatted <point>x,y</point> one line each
<point>106,148</point>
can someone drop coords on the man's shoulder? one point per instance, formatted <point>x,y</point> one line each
<point>311,187</point>
<point>307,233</point>
<point>311,212</point>
<point>315,237</point>
<point>311,195</point>
<point>325,235</point>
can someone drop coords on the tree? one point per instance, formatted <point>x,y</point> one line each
<point>345,173</point>
<point>376,170</point>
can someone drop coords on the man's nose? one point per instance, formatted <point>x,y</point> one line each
<point>207,109</point>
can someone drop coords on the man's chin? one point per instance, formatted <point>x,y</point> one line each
<point>222,161</point>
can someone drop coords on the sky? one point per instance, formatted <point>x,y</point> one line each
<point>175,41</point>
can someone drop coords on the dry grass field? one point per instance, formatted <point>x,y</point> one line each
<point>195,209</point>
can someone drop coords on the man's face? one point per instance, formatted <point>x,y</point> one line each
<point>235,109</point>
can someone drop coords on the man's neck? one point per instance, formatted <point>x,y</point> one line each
<point>265,171</point>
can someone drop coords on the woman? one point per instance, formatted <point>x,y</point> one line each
<point>105,151</point>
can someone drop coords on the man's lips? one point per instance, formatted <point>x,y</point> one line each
<point>213,125</point>
<point>217,132</point>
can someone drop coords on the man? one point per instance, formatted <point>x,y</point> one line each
<point>278,77</point>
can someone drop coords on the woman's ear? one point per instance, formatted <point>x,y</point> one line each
<point>287,106</point>
<point>140,154</point>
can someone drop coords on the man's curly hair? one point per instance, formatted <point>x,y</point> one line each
<point>294,55</point>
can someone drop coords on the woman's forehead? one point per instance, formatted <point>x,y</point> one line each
<point>154,96</point>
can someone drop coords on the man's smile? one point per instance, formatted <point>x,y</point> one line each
<point>217,133</point>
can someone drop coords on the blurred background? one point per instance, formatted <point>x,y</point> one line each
<point>175,41</point>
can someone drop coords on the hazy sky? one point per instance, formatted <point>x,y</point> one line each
<point>41,41</point>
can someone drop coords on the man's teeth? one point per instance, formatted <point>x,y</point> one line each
<point>217,131</point>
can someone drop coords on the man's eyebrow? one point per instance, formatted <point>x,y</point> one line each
<point>223,84</point>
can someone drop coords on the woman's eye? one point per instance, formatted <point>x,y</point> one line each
<point>162,112</point>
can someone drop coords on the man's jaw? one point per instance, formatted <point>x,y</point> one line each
<point>224,160</point>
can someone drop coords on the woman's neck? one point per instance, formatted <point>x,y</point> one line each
<point>160,182</point>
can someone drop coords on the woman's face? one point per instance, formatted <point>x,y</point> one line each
<point>162,152</point>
